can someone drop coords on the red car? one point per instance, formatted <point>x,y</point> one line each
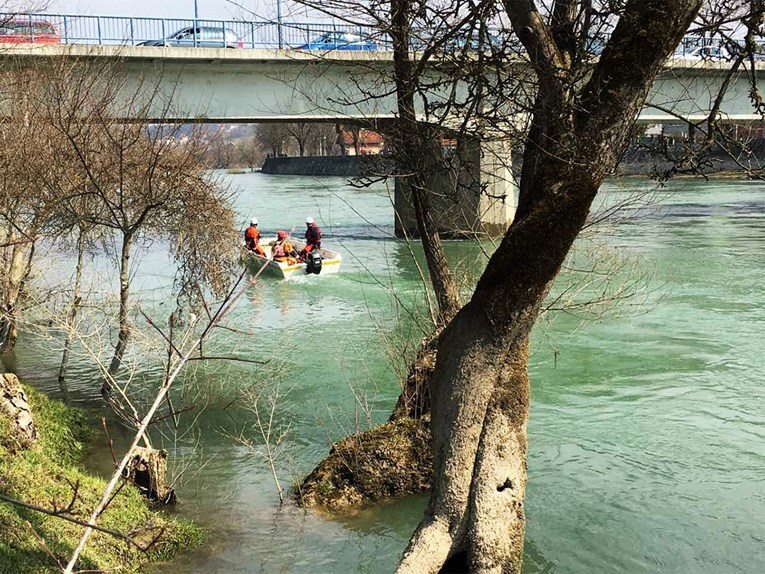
<point>22,30</point>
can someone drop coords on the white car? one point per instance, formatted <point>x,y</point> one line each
<point>707,53</point>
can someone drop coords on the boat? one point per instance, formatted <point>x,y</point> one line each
<point>330,263</point>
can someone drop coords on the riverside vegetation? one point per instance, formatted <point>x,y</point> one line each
<point>43,474</point>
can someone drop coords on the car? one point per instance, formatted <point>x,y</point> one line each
<point>28,30</point>
<point>712,52</point>
<point>339,41</point>
<point>474,41</point>
<point>461,41</point>
<point>199,37</point>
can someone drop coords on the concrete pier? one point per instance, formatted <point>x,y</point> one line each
<point>473,192</point>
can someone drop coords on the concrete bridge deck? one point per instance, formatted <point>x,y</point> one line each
<point>271,85</point>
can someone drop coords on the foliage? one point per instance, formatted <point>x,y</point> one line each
<point>44,475</point>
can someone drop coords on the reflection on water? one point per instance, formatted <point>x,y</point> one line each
<point>646,428</point>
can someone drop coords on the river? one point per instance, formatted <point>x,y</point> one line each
<point>647,429</point>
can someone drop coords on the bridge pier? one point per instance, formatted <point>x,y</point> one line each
<point>472,192</point>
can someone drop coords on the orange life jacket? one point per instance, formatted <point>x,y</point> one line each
<point>252,237</point>
<point>282,249</point>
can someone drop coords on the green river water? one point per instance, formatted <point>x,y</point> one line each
<point>647,432</point>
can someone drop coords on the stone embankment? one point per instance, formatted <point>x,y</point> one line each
<point>348,165</point>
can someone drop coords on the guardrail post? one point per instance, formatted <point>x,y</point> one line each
<point>164,35</point>
<point>66,30</point>
<point>252,34</point>
<point>98,23</point>
<point>132,32</point>
<point>279,24</point>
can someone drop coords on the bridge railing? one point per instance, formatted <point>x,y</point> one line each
<point>133,31</point>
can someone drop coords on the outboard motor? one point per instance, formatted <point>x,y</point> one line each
<point>313,262</point>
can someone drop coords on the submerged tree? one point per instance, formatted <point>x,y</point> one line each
<point>480,386</point>
<point>129,182</point>
<point>590,66</point>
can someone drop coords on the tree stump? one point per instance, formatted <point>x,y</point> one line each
<point>147,469</point>
<point>15,408</point>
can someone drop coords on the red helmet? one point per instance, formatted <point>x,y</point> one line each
<point>281,234</point>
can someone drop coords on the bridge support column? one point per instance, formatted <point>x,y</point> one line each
<point>472,192</point>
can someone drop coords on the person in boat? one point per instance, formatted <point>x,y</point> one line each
<point>282,249</point>
<point>252,238</point>
<point>312,238</point>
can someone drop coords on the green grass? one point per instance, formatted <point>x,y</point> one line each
<point>41,476</point>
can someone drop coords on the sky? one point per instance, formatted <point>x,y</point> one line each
<point>223,9</point>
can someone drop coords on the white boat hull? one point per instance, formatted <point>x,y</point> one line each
<point>284,270</point>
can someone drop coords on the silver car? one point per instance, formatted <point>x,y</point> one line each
<point>199,37</point>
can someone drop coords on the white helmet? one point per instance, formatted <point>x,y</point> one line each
<point>309,220</point>
<point>254,221</point>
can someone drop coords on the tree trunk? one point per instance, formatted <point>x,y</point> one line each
<point>418,147</point>
<point>444,284</point>
<point>355,132</point>
<point>480,398</point>
<point>480,389</point>
<point>147,469</point>
<point>71,320</point>
<point>17,270</point>
<point>124,322</point>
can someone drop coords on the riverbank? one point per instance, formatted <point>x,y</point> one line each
<point>43,475</point>
<point>638,161</point>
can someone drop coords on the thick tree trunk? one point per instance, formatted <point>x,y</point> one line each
<point>480,397</point>
<point>479,433</point>
<point>124,321</point>
<point>496,514</point>
<point>71,320</point>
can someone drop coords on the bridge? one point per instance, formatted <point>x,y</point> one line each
<point>220,85</point>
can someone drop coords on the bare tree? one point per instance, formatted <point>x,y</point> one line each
<point>272,137</point>
<point>141,182</point>
<point>480,386</point>
<point>582,110</point>
<point>303,133</point>
<point>322,139</point>
<point>250,152</point>
<point>187,347</point>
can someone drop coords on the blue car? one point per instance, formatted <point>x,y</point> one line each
<point>339,41</point>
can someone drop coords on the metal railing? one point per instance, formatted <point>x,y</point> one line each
<point>135,31</point>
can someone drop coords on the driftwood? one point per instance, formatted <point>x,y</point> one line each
<point>15,408</point>
<point>147,469</point>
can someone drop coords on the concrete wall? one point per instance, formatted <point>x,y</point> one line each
<point>348,166</point>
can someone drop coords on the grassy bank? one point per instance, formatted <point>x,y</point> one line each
<point>42,476</point>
